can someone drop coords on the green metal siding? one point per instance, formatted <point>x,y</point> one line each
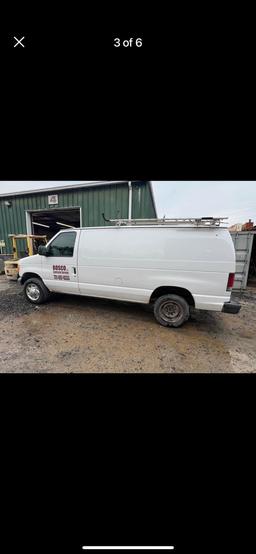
<point>110,199</point>
<point>142,202</point>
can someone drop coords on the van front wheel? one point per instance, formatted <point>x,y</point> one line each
<point>35,291</point>
<point>171,310</point>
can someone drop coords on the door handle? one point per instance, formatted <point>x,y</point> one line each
<point>74,270</point>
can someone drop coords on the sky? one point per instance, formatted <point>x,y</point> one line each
<point>233,199</point>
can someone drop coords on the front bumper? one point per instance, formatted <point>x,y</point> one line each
<point>231,307</point>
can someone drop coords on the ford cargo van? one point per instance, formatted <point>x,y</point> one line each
<point>174,266</point>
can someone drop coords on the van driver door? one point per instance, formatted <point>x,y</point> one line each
<point>59,267</point>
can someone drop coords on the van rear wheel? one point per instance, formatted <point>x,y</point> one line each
<point>171,310</point>
<point>35,291</point>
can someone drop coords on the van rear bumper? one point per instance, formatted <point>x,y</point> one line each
<point>231,307</point>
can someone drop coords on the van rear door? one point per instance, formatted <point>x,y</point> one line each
<point>59,267</point>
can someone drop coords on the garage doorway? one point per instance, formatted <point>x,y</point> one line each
<point>50,222</point>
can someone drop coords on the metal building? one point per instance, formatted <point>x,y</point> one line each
<point>245,247</point>
<point>48,210</point>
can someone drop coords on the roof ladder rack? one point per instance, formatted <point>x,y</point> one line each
<point>194,221</point>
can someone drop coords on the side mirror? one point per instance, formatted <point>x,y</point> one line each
<point>42,250</point>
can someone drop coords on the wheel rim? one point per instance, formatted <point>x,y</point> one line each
<point>170,311</point>
<point>33,291</point>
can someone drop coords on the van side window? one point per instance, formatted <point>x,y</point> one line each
<point>63,245</point>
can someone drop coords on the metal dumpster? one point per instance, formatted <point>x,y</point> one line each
<point>243,246</point>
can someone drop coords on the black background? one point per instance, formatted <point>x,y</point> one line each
<point>180,107</point>
<point>128,459</point>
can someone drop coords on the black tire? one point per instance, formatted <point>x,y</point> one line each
<point>171,310</point>
<point>41,293</point>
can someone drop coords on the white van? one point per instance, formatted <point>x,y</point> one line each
<point>173,265</point>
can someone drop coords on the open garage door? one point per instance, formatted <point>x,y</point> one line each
<point>50,222</point>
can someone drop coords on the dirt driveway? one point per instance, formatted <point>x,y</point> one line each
<point>78,334</point>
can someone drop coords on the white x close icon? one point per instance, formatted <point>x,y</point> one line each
<point>19,41</point>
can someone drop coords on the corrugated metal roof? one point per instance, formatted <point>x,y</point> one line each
<point>61,187</point>
<point>86,184</point>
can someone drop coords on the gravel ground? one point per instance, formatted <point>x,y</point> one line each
<point>79,334</point>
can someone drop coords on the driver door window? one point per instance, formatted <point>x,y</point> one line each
<point>63,245</point>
